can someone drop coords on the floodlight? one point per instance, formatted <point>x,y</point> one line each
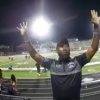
<point>41,26</point>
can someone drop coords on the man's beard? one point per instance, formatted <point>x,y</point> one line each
<point>64,58</point>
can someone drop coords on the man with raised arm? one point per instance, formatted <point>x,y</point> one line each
<point>66,71</point>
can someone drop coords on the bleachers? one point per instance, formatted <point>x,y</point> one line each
<point>40,89</point>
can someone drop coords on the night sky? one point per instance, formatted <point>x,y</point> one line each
<point>72,18</point>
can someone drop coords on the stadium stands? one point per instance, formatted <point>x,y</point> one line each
<point>40,89</point>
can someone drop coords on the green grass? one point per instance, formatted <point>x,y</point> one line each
<point>25,74</point>
<point>91,69</point>
<point>33,74</point>
<point>20,62</point>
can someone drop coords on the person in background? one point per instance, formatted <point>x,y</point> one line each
<point>1,81</point>
<point>26,57</point>
<point>38,68</point>
<point>12,89</point>
<point>39,71</point>
<point>10,67</point>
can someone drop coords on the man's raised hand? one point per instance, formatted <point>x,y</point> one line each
<point>95,18</point>
<point>23,28</point>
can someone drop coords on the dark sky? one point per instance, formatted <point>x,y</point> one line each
<point>72,17</point>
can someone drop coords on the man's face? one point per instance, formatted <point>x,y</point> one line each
<point>63,51</point>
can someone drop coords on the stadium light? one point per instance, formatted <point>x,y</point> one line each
<point>40,27</point>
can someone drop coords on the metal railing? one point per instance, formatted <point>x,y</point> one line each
<point>10,97</point>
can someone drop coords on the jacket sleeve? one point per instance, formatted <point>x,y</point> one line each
<point>82,59</point>
<point>46,63</point>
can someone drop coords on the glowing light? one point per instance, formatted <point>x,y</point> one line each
<point>41,27</point>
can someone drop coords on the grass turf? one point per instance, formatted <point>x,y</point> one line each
<point>20,62</point>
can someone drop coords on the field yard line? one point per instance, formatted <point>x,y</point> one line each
<point>19,65</point>
<point>21,69</point>
<point>93,63</point>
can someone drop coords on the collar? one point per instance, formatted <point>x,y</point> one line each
<point>64,60</point>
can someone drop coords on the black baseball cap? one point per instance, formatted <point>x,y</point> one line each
<point>62,42</point>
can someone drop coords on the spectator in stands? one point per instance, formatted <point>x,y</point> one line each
<point>12,90</point>
<point>65,72</point>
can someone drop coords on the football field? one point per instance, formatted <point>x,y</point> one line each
<point>25,68</point>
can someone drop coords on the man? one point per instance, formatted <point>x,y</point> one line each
<point>65,72</point>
